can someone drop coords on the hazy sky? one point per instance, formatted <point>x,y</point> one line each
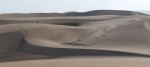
<point>27,6</point>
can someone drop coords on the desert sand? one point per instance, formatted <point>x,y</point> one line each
<point>101,40</point>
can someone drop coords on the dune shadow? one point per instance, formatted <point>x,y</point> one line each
<point>19,56</point>
<point>66,52</point>
<point>31,52</point>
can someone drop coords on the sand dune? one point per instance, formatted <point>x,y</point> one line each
<point>88,13</point>
<point>104,36</point>
<point>95,35</point>
<point>49,20</point>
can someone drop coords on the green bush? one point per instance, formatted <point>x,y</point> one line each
<point>68,23</point>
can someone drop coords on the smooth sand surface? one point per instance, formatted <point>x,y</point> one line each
<point>84,62</point>
<point>108,41</point>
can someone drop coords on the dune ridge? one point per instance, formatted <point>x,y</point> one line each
<point>88,13</point>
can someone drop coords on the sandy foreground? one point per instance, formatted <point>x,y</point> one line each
<point>84,62</point>
<point>107,41</point>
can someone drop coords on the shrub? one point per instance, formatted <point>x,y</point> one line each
<point>68,23</point>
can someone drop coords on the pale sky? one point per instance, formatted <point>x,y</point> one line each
<point>29,6</point>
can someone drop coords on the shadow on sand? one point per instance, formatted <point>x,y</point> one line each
<point>53,53</point>
<point>64,52</point>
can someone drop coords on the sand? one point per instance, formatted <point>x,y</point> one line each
<point>86,62</point>
<point>106,40</point>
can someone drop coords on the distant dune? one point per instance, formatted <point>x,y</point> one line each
<point>104,12</point>
<point>89,13</point>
